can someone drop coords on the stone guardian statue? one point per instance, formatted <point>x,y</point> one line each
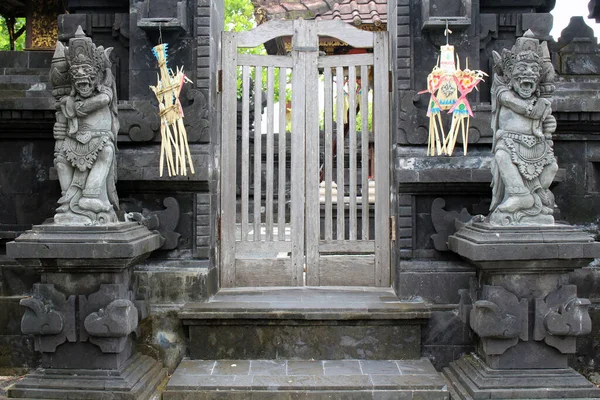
<point>524,165</point>
<point>86,132</point>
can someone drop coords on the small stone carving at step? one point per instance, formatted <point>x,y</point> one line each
<point>86,131</point>
<point>524,164</point>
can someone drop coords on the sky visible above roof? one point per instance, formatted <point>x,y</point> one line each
<point>565,9</point>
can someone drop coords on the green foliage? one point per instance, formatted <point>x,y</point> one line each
<point>6,27</point>
<point>239,17</point>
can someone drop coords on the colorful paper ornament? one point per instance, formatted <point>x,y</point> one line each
<point>174,148</point>
<point>445,82</point>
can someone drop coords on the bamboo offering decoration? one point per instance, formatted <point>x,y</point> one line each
<point>174,146</point>
<point>445,82</point>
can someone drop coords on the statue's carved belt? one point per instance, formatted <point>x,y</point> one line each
<point>84,136</point>
<point>527,140</point>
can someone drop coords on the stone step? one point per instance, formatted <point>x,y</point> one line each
<point>302,379</point>
<point>305,323</point>
<point>24,85</point>
<point>30,79</point>
<point>25,71</point>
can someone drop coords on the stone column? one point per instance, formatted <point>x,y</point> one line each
<point>85,310</point>
<point>523,310</point>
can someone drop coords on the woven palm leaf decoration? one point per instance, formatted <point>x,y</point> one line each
<point>174,148</point>
<point>448,87</point>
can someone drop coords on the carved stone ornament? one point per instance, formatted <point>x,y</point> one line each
<point>561,317</point>
<point>524,165</point>
<point>444,223</point>
<point>49,316</point>
<point>108,317</point>
<point>86,131</point>
<point>500,319</point>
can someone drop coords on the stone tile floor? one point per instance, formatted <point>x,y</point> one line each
<point>305,375</point>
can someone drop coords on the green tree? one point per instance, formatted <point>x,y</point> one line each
<point>12,33</point>
<point>239,17</point>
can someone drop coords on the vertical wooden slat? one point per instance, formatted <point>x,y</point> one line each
<point>312,157</point>
<point>270,130</point>
<point>352,150</point>
<point>297,154</point>
<point>364,158</point>
<point>245,148</point>
<point>328,162</point>
<point>257,151</point>
<point>381,128</point>
<point>282,155</point>
<point>339,135</point>
<point>228,159</point>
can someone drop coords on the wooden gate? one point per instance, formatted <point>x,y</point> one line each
<point>305,200</point>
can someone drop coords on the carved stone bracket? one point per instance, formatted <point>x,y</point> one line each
<point>500,319</point>
<point>107,317</point>
<point>561,317</point>
<point>163,221</point>
<point>50,317</point>
<point>444,223</point>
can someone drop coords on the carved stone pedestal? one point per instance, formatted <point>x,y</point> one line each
<point>524,311</point>
<point>85,310</point>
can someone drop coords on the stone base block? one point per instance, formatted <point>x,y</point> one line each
<point>137,379</point>
<point>113,246</point>
<point>490,247</point>
<point>298,339</point>
<point>471,379</point>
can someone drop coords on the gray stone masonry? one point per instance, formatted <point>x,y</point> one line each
<point>305,323</point>
<point>84,311</point>
<point>524,311</point>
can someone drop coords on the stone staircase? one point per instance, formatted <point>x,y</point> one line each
<point>305,343</point>
<point>26,102</point>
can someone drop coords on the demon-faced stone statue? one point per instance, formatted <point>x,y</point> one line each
<point>524,165</point>
<point>86,132</point>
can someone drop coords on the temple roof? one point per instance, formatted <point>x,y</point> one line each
<point>12,8</point>
<point>356,12</point>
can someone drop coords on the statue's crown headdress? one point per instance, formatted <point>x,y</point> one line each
<point>81,49</point>
<point>528,48</point>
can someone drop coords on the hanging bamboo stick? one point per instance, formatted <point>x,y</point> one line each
<point>174,141</point>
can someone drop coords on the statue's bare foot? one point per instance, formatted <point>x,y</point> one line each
<point>515,203</point>
<point>93,204</point>
<point>547,197</point>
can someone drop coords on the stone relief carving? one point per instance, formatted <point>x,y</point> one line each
<point>499,318</point>
<point>560,317</point>
<point>49,316</point>
<point>107,317</point>
<point>444,223</point>
<point>164,221</point>
<point>119,318</point>
<point>86,130</point>
<point>524,164</point>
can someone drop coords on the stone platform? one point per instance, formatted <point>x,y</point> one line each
<point>136,379</point>
<point>305,323</point>
<point>315,379</point>
<point>473,380</point>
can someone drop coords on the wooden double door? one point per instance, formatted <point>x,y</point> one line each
<point>305,171</point>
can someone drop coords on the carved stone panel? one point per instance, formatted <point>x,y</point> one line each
<point>500,319</point>
<point>561,317</point>
<point>107,317</point>
<point>50,317</point>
